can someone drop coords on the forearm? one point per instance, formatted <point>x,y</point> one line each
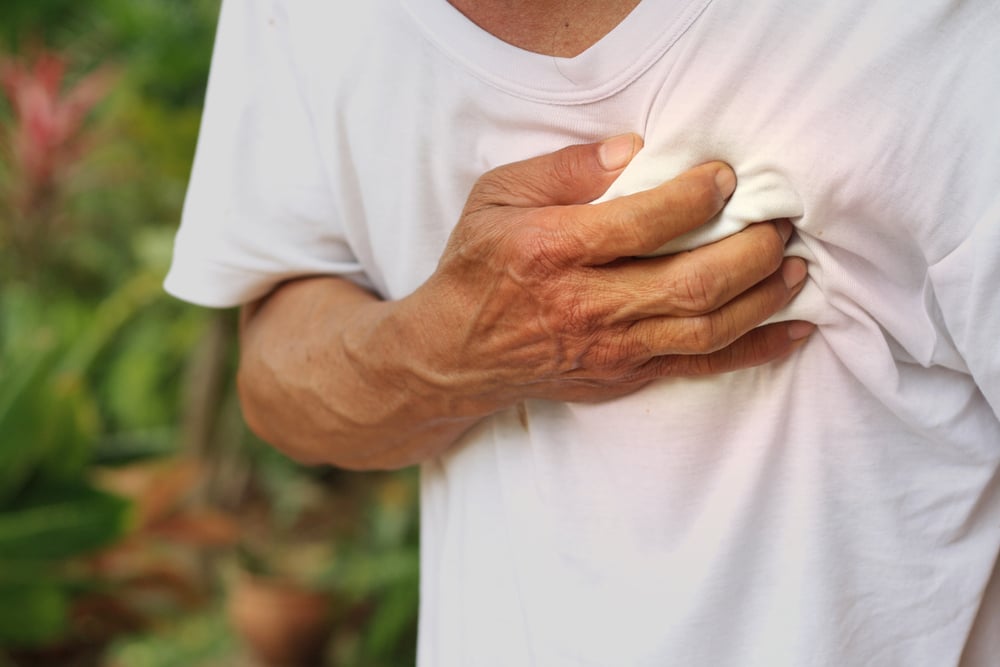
<point>329,374</point>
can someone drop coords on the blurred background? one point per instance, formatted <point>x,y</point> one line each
<point>141,524</point>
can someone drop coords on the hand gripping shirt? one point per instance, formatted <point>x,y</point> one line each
<point>838,507</point>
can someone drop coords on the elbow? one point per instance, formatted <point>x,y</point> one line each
<point>288,426</point>
<point>266,420</point>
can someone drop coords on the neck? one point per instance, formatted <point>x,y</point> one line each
<point>562,28</point>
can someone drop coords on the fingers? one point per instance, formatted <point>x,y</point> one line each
<point>758,346</point>
<point>713,275</point>
<point>712,331</point>
<point>640,223</point>
<point>700,281</point>
<point>697,282</point>
<point>572,175</point>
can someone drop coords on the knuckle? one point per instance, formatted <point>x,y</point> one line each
<point>671,365</point>
<point>579,237</point>
<point>623,355</point>
<point>595,353</point>
<point>492,188</point>
<point>708,364</point>
<point>581,320</point>
<point>699,290</point>
<point>477,238</point>
<point>706,334</point>
<point>602,362</point>
<point>638,343</point>
<point>541,253</point>
<point>549,241</point>
<point>610,364</point>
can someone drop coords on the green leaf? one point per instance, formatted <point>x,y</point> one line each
<point>394,617</point>
<point>47,416</point>
<point>47,432</point>
<point>31,614</point>
<point>52,524</point>
<point>121,449</point>
<point>17,572</point>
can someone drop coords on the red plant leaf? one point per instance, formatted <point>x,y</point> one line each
<point>46,135</point>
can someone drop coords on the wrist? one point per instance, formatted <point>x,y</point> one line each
<point>411,345</point>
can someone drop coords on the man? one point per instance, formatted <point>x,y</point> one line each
<point>593,491</point>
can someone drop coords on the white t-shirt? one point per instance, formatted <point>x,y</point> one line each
<point>840,507</point>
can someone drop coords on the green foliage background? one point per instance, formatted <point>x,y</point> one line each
<point>99,368</point>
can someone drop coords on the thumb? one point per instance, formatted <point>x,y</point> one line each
<point>572,175</point>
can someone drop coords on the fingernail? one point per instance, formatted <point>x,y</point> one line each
<point>725,181</point>
<point>785,229</point>
<point>616,152</point>
<point>793,272</point>
<point>799,330</point>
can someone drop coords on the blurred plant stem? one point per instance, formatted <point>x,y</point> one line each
<point>207,383</point>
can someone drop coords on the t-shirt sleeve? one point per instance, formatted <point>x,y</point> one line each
<point>259,209</point>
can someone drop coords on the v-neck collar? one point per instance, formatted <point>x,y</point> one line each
<point>612,63</point>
